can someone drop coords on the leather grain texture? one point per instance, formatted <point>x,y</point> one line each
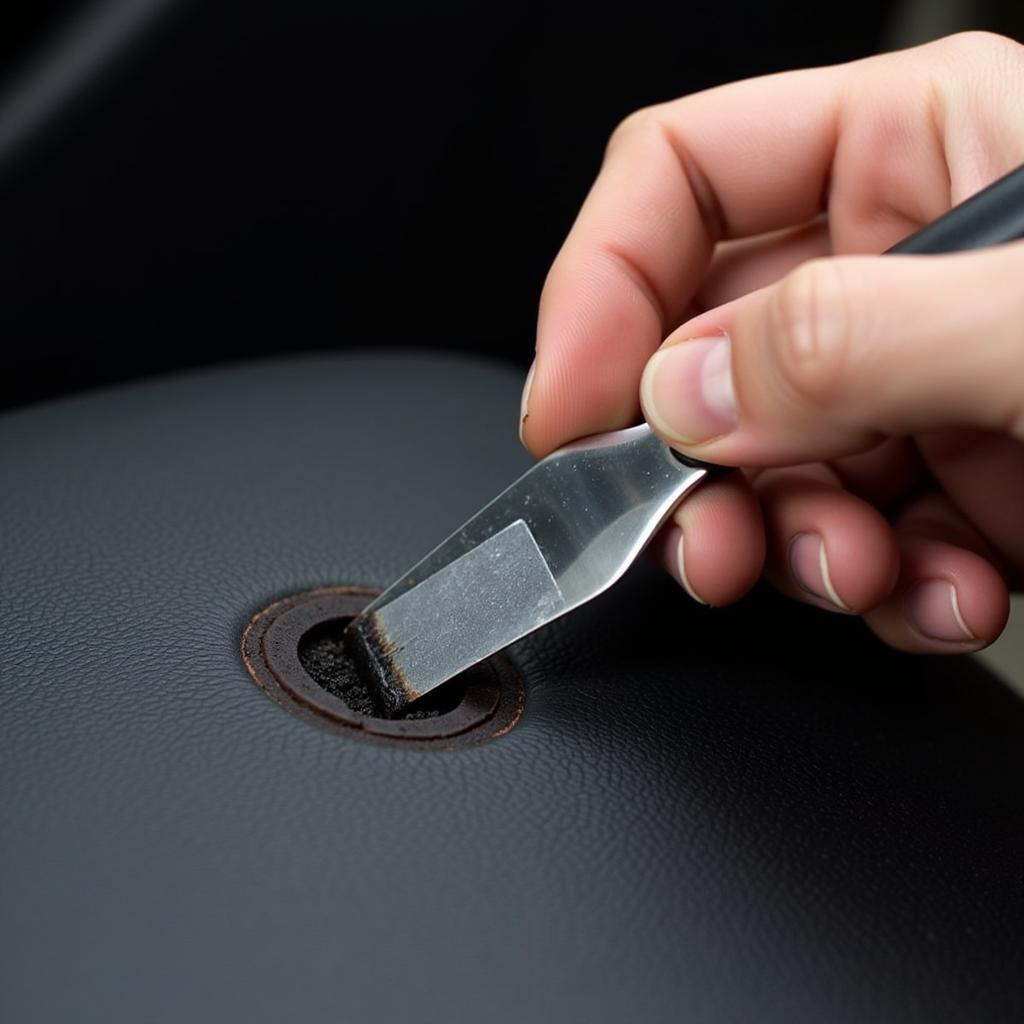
<point>752,814</point>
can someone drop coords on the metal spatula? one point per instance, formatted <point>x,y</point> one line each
<point>572,525</point>
<point>561,534</point>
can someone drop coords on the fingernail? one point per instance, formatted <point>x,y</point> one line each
<point>687,390</point>
<point>524,402</point>
<point>808,562</point>
<point>679,564</point>
<point>935,612</point>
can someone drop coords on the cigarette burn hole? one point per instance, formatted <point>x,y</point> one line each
<point>295,653</point>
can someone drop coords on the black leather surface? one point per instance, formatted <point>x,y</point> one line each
<point>748,815</point>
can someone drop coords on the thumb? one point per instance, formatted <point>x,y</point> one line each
<point>842,352</point>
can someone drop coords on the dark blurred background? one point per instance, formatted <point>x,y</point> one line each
<point>188,181</point>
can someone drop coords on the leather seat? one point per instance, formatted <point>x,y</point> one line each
<point>756,814</point>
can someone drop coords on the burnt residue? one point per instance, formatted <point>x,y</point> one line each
<point>374,656</point>
<point>297,653</point>
<point>327,652</point>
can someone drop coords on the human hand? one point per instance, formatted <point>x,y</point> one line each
<point>880,402</point>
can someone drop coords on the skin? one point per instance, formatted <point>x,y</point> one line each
<point>877,403</point>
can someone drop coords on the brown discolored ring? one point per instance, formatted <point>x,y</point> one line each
<point>491,704</point>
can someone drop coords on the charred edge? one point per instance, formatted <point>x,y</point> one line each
<point>374,655</point>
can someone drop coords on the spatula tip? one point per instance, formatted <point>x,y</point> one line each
<point>369,646</point>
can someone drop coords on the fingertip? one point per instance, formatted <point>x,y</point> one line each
<point>524,403</point>
<point>715,546</point>
<point>948,601</point>
<point>693,393</point>
<point>595,330</point>
<point>826,546</point>
<point>672,557</point>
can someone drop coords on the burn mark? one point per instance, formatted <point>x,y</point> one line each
<point>373,652</point>
<point>297,652</point>
<point>325,652</point>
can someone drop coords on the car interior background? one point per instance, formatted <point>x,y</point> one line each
<point>230,231</point>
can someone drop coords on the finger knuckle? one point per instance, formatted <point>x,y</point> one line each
<point>810,332</point>
<point>639,124</point>
<point>977,47</point>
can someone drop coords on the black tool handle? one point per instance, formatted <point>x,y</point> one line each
<point>993,216</point>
